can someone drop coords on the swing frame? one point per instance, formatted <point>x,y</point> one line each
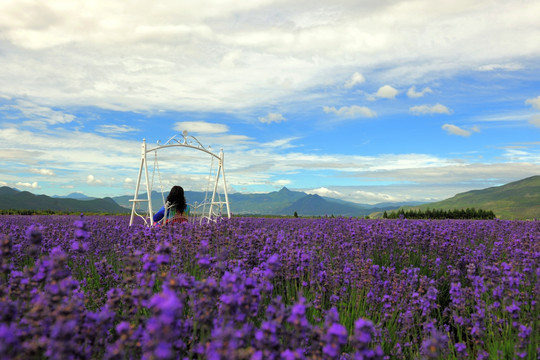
<point>186,141</point>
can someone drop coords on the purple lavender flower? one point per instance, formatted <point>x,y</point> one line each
<point>163,351</point>
<point>335,338</point>
<point>363,331</point>
<point>81,231</point>
<point>482,355</point>
<point>33,233</point>
<point>435,345</point>
<point>513,309</point>
<point>166,304</point>
<point>9,342</point>
<point>461,350</point>
<point>298,314</point>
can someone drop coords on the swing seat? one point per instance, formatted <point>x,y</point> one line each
<point>176,219</point>
<point>173,217</point>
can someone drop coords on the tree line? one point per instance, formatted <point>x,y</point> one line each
<point>468,213</point>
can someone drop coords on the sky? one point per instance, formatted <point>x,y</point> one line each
<point>363,100</point>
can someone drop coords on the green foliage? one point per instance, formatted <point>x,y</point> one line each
<point>439,214</point>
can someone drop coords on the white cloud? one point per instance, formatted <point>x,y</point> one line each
<point>3,183</point>
<point>412,93</point>
<point>272,118</point>
<point>200,127</point>
<point>124,56</point>
<point>285,143</point>
<point>322,191</point>
<point>526,156</point>
<point>534,102</point>
<point>69,150</point>
<point>503,117</point>
<point>351,111</point>
<point>356,79</point>
<point>91,180</point>
<point>34,114</point>
<point>128,183</point>
<point>428,110</point>
<point>506,67</point>
<point>33,185</point>
<point>386,92</point>
<point>115,129</point>
<point>535,120</point>
<point>47,172</point>
<point>372,197</point>
<point>455,130</point>
<point>24,156</point>
<point>282,182</point>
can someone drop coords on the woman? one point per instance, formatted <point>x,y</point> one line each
<point>176,207</point>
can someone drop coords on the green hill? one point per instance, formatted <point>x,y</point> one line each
<point>11,199</point>
<point>515,200</point>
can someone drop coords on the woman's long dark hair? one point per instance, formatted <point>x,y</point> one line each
<point>176,197</point>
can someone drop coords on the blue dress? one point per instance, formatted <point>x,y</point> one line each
<point>159,215</point>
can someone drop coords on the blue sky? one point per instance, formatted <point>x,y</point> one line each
<point>368,101</point>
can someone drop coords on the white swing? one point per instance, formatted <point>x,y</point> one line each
<point>168,207</point>
<point>195,212</point>
<point>210,209</point>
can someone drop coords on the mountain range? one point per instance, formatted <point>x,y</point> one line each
<point>74,195</point>
<point>13,199</point>
<point>516,200</point>
<point>282,202</point>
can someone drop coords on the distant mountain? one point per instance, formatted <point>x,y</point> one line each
<point>376,207</point>
<point>515,200</point>
<point>345,202</point>
<point>282,202</point>
<point>7,191</point>
<point>24,200</point>
<point>272,203</point>
<point>315,205</point>
<point>262,204</point>
<point>74,195</point>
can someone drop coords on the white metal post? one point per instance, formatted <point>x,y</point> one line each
<point>148,190</point>
<point>215,190</point>
<point>222,167</point>
<point>136,197</point>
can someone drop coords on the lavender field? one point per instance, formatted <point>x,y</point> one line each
<point>84,288</point>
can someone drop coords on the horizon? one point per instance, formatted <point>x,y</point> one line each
<point>243,193</point>
<point>369,103</point>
